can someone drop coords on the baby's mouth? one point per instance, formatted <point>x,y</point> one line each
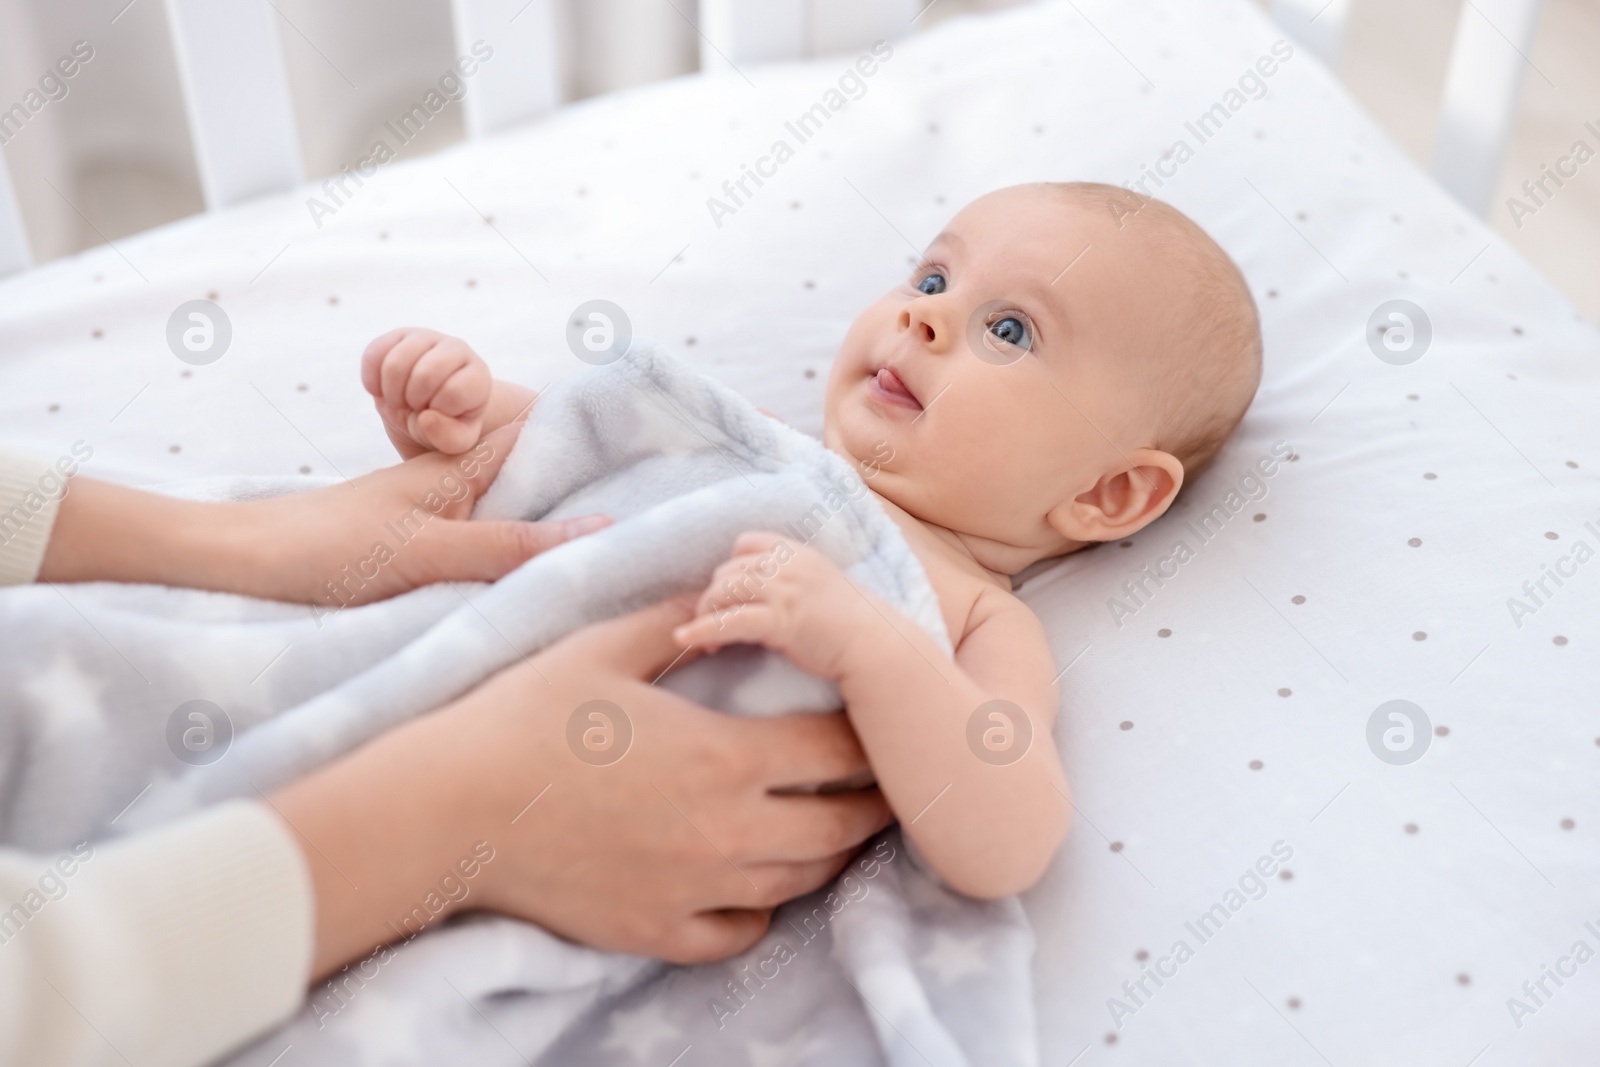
<point>887,387</point>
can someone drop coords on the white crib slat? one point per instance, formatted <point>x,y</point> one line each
<point>14,256</point>
<point>1487,66</point>
<point>616,44</point>
<point>522,78</point>
<point>1319,25</point>
<point>737,32</point>
<point>236,93</point>
<point>848,25</point>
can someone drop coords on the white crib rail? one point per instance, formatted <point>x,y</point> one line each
<point>524,80</point>
<point>1317,24</point>
<point>735,32</point>
<point>1488,64</point>
<point>241,118</point>
<point>14,255</point>
<point>245,142</point>
<point>236,94</point>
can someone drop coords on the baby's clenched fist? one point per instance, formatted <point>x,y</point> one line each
<point>431,390</point>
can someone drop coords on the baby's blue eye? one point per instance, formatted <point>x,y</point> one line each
<point>1012,331</point>
<point>931,284</point>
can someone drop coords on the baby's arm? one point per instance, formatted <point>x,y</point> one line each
<point>435,394</point>
<point>988,827</point>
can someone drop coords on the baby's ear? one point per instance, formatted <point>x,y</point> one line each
<point>1126,499</point>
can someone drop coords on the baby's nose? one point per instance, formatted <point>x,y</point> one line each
<point>924,329</point>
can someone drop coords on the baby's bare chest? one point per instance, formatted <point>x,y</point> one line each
<point>956,582</point>
<point>957,588</point>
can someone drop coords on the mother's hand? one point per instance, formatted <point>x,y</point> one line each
<point>372,537</point>
<point>396,529</point>
<point>678,849</point>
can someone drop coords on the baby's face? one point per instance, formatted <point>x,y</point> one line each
<point>997,379</point>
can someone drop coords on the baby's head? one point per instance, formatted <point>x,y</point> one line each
<point>1064,356</point>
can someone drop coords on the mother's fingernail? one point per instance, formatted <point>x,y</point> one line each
<point>588,524</point>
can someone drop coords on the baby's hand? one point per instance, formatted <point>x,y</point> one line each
<point>431,390</point>
<point>790,599</point>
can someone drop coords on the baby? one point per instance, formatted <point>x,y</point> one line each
<point>1064,356</point>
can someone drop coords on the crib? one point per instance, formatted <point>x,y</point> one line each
<point>243,129</point>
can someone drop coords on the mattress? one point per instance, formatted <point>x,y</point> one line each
<point>1335,769</point>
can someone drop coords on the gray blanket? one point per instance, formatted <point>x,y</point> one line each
<point>101,686</point>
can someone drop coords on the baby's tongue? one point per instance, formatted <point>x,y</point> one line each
<point>889,382</point>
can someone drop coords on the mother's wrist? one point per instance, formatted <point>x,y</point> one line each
<point>256,552</point>
<point>385,831</point>
<point>112,533</point>
<point>216,545</point>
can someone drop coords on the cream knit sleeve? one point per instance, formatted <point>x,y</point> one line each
<point>30,493</point>
<point>163,949</point>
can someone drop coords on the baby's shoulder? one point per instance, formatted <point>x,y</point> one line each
<point>968,595</point>
<point>994,604</point>
<point>967,598</point>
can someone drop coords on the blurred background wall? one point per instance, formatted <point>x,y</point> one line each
<point>113,157</point>
<point>1394,63</point>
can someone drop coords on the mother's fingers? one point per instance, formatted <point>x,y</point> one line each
<point>800,828</point>
<point>639,644</point>
<point>715,935</point>
<point>487,551</point>
<point>805,749</point>
<point>776,883</point>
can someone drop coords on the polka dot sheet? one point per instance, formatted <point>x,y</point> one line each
<point>1330,724</point>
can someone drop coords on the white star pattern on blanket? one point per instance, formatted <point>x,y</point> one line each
<point>68,698</point>
<point>383,1027</point>
<point>795,1050</point>
<point>639,1030</point>
<point>953,957</point>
